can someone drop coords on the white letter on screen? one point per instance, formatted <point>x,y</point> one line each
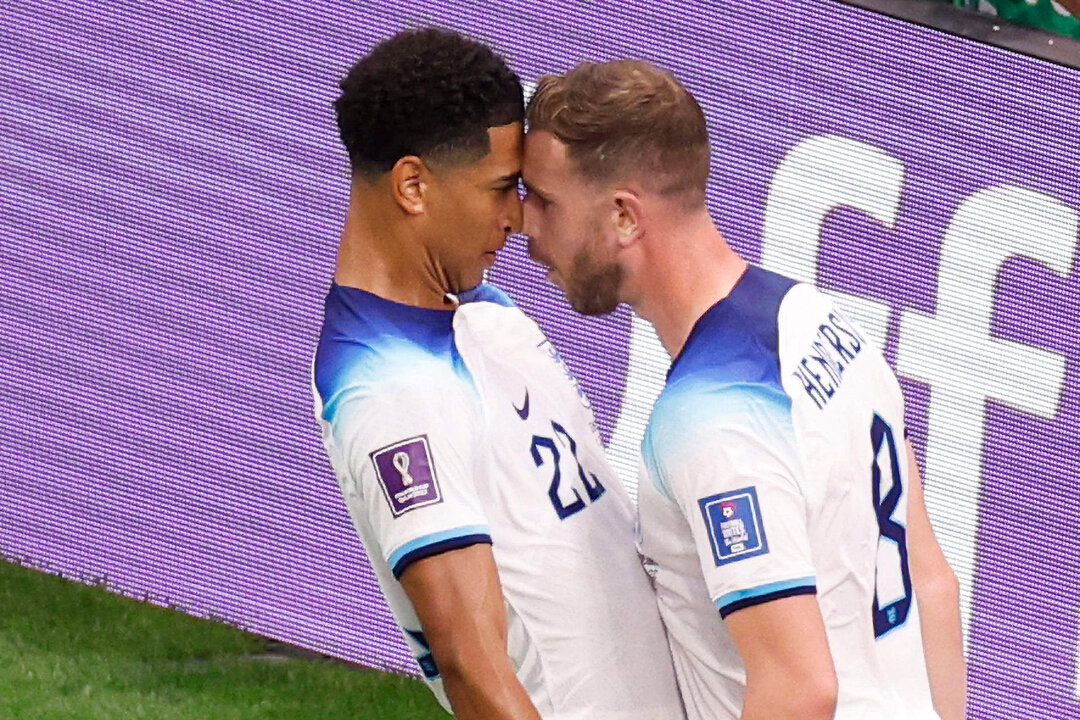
<point>818,175</point>
<point>953,350</point>
<point>645,378</point>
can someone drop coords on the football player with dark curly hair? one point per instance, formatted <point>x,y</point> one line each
<point>468,458</point>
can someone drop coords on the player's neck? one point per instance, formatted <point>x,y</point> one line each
<point>379,254</point>
<point>690,272</point>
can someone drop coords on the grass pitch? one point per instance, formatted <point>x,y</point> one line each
<point>73,652</point>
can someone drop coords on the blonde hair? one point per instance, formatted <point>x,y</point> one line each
<point>626,117</point>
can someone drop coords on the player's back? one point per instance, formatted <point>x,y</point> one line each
<point>520,466</point>
<point>848,417</point>
<point>812,498</point>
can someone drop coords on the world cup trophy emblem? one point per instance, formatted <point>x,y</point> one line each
<point>401,464</point>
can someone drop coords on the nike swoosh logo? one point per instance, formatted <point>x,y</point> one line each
<point>523,411</point>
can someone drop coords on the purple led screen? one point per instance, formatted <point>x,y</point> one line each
<point>171,192</point>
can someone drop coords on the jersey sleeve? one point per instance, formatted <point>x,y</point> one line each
<point>726,456</point>
<point>405,459</point>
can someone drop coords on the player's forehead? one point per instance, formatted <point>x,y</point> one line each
<point>505,154</point>
<point>546,164</point>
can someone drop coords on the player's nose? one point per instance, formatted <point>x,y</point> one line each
<point>528,219</point>
<point>511,219</point>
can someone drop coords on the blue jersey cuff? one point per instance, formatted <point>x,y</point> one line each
<point>740,599</point>
<point>436,543</point>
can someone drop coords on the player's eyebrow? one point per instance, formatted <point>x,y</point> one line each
<point>508,179</point>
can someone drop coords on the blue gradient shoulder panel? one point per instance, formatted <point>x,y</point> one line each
<point>486,292</point>
<point>736,340</point>
<point>727,375</point>
<point>368,341</point>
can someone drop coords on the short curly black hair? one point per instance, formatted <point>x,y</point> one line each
<point>431,93</point>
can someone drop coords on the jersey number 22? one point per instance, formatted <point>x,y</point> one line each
<point>589,482</point>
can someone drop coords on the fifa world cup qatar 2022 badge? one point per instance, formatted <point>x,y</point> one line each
<point>407,475</point>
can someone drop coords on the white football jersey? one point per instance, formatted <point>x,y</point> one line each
<point>448,428</point>
<point>775,465</point>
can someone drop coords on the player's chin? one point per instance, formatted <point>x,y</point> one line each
<point>553,276</point>
<point>469,278</point>
<point>591,301</point>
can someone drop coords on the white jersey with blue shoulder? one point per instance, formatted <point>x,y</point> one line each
<point>447,428</point>
<point>775,465</point>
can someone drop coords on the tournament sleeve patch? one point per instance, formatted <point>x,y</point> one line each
<point>407,475</point>
<point>733,520</point>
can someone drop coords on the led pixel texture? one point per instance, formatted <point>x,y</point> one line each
<point>172,191</point>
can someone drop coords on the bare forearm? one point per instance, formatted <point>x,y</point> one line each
<point>795,703</point>
<point>938,594</point>
<point>478,675</point>
<point>789,670</point>
<point>477,695</point>
<point>459,601</point>
<point>943,645</point>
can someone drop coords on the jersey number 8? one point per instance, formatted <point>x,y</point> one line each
<point>892,586</point>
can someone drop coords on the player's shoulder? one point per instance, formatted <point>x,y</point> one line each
<point>700,408</point>
<point>726,380</point>
<point>735,342</point>
<point>805,309</point>
<point>374,352</point>
<point>489,313</point>
<point>490,323</point>
<point>705,423</point>
<point>749,337</point>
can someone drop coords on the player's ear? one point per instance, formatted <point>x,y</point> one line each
<point>627,216</point>
<point>408,184</point>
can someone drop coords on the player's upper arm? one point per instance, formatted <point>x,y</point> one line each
<point>727,457</point>
<point>459,601</point>
<point>458,598</point>
<point>406,459</point>
<point>789,668</point>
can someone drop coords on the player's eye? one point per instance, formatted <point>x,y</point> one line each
<point>505,185</point>
<point>529,195</point>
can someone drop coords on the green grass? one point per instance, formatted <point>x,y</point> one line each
<point>73,652</point>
